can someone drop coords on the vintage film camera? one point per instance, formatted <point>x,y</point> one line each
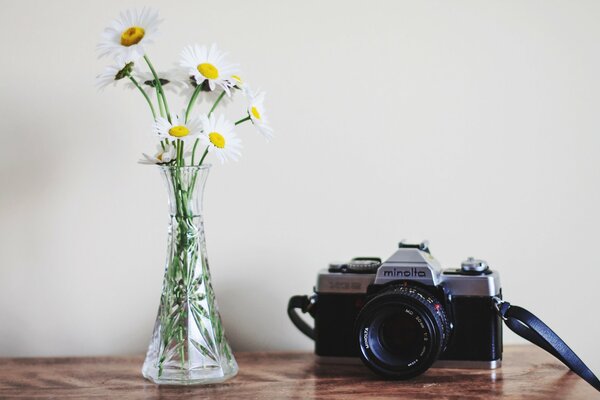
<point>406,314</point>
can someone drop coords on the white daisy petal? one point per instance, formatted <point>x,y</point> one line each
<point>207,66</point>
<point>163,155</point>
<point>178,128</point>
<point>147,159</point>
<point>127,35</point>
<point>170,80</point>
<point>257,113</point>
<point>111,75</point>
<point>219,137</point>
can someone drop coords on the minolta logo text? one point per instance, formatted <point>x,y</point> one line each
<point>404,273</point>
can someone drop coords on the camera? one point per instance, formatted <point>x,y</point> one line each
<point>406,314</point>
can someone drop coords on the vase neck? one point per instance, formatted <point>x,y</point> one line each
<point>185,187</point>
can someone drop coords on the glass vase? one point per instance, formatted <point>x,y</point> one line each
<point>188,345</point>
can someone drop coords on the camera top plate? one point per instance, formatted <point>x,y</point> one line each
<point>358,265</point>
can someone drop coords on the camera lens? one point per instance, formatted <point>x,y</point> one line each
<point>401,332</point>
<point>400,335</point>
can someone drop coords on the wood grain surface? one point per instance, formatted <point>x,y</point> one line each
<point>527,373</point>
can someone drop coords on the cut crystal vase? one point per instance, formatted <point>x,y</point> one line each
<point>188,345</point>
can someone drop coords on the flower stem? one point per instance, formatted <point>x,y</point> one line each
<point>137,85</point>
<point>192,102</point>
<point>160,103</point>
<point>180,160</point>
<point>159,86</point>
<point>194,151</point>
<point>203,156</point>
<point>242,120</point>
<point>216,103</point>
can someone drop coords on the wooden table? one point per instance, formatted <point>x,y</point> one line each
<point>527,372</point>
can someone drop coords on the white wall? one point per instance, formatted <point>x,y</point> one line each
<point>473,124</point>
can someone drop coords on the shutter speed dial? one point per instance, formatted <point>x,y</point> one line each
<point>474,265</point>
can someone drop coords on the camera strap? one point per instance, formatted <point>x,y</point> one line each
<point>304,303</point>
<point>531,328</point>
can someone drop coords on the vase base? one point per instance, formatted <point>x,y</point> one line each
<point>199,376</point>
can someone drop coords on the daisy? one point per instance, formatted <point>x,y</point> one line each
<point>258,116</point>
<point>178,129</point>
<point>208,67</point>
<point>127,35</point>
<point>238,83</point>
<point>113,73</point>
<point>218,135</point>
<point>235,81</point>
<point>170,80</point>
<point>162,156</point>
<point>211,96</point>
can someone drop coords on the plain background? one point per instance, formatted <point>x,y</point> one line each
<point>473,124</point>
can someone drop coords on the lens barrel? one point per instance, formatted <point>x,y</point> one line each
<point>401,331</point>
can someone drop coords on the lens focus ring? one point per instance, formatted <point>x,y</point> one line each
<point>401,331</point>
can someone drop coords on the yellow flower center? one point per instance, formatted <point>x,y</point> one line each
<point>179,131</point>
<point>217,139</point>
<point>208,70</point>
<point>132,35</point>
<point>255,112</point>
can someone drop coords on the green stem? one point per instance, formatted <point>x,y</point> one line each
<point>203,156</point>
<point>179,153</point>
<point>216,103</point>
<point>161,107</point>
<point>243,120</point>
<point>194,151</point>
<point>159,86</point>
<point>137,85</point>
<point>192,101</point>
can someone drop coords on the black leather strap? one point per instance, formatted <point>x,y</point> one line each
<point>530,327</point>
<point>303,303</point>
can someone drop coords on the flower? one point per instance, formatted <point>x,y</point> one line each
<point>127,35</point>
<point>218,135</point>
<point>178,129</point>
<point>113,73</point>
<point>208,67</point>
<point>163,155</point>
<point>238,83</point>
<point>170,80</point>
<point>211,96</point>
<point>257,113</point>
<point>235,82</point>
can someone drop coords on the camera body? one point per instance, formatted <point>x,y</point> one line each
<point>407,313</point>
